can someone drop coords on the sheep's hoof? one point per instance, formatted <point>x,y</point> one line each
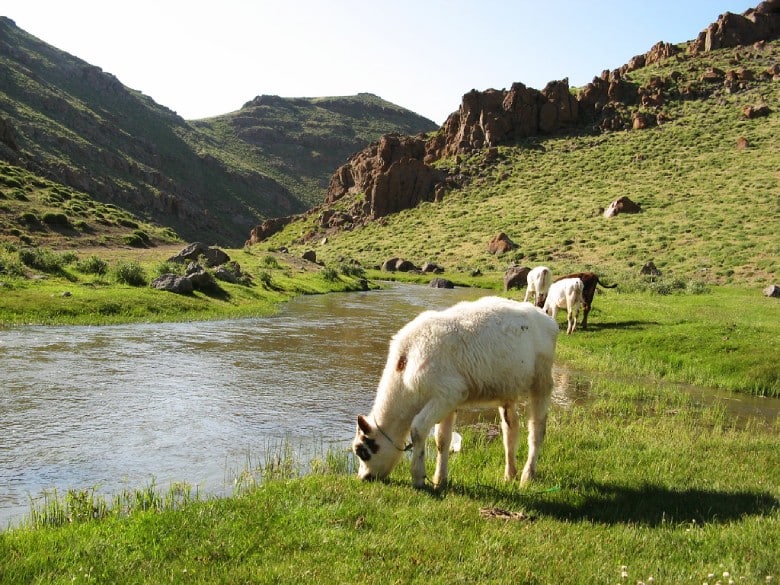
<point>527,477</point>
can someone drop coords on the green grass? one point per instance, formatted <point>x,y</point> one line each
<point>58,291</point>
<point>659,486</point>
<point>727,338</point>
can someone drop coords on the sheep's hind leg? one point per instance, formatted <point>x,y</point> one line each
<point>538,405</point>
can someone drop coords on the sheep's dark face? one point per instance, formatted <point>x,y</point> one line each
<point>377,455</point>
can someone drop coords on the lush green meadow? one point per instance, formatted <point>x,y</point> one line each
<point>639,481</point>
<point>655,490</point>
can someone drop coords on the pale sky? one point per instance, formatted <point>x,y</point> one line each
<point>203,59</point>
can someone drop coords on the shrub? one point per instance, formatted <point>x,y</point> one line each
<point>269,262</point>
<point>697,287</point>
<point>130,273</point>
<point>127,223</point>
<point>29,219</point>
<point>56,219</point>
<point>10,265</point>
<point>92,265</point>
<point>353,270</point>
<point>265,279</point>
<point>42,259</point>
<point>330,274</point>
<point>134,240</point>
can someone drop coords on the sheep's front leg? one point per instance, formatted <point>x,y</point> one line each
<point>418,458</point>
<point>422,424</point>
<point>443,442</point>
<point>510,423</point>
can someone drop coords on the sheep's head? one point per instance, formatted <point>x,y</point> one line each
<point>377,454</point>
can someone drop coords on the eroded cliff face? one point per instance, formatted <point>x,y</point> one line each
<point>397,173</point>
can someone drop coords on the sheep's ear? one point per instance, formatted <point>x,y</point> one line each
<point>363,425</point>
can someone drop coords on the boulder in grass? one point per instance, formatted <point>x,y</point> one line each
<point>773,290</point>
<point>173,283</point>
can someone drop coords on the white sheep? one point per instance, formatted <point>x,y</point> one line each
<point>490,351</point>
<point>539,281</point>
<point>565,293</point>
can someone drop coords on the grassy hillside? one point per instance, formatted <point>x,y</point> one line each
<point>299,142</point>
<point>38,212</point>
<point>213,180</point>
<point>710,210</point>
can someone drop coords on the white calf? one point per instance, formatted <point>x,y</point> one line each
<point>490,351</point>
<point>565,293</point>
<point>539,281</point>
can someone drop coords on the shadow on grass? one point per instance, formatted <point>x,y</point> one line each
<point>649,505</point>
<point>620,325</point>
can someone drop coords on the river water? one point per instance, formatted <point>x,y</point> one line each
<point>120,407</point>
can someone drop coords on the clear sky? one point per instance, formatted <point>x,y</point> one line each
<point>202,59</point>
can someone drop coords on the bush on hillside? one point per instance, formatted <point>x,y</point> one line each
<point>92,265</point>
<point>42,259</point>
<point>130,273</point>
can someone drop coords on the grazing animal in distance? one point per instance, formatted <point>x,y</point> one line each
<point>539,281</point>
<point>590,280</point>
<point>565,293</point>
<point>489,351</point>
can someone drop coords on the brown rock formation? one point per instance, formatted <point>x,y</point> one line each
<point>500,243</point>
<point>494,117</point>
<point>390,174</point>
<point>732,30</point>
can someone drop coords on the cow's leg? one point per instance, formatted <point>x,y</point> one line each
<point>538,404</point>
<point>510,427</point>
<point>443,442</point>
<point>422,424</point>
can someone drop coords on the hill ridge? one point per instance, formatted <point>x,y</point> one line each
<point>68,121</point>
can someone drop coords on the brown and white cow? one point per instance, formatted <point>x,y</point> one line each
<point>589,280</point>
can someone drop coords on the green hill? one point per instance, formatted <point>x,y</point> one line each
<point>705,177</point>
<point>68,122</point>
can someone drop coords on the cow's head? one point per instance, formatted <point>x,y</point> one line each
<point>377,454</point>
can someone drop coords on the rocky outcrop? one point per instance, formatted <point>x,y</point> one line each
<point>196,250</point>
<point>649,269</point>
<point>731,30</point>
<point>441,283</point>
<point>494,117</point>
<point>389,176</point>
<point>173,283</point>
<point>399,265</point>
<point>269,227</point>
